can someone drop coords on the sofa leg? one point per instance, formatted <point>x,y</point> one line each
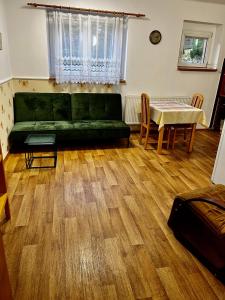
<point>128,143</point>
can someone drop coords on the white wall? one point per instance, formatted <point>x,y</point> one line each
<point>150,68</point>
<point>5,69</point>
<point>6,87</point>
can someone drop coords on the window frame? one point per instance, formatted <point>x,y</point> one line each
<point>195,34</point>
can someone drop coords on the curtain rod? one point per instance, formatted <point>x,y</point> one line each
<point>36,5</point>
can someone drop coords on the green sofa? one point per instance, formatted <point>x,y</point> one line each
<point>72,117</point>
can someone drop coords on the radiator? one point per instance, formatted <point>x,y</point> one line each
<point>133,101</point>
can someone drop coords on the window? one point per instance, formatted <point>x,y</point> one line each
<point>87,48</point>
<point>195,48</point>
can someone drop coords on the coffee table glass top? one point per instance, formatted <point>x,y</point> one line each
<point>40,139</point>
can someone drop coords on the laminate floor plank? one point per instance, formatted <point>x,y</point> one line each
<point>95,227</point>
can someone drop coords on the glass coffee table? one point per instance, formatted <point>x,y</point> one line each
<point>39,142</point>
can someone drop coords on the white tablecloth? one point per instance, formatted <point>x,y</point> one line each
<point>171,112</point>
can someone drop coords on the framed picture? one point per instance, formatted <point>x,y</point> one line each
<point>0,41</point>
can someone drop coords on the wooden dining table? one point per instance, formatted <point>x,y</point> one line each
<point>167,112</point>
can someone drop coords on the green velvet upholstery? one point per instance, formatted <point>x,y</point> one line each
<point>71,117</point>
<point>67,130</point>
<point>91,106</point>
<point>23,126</point>
<point>42,107</point>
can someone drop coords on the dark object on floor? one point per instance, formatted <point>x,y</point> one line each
<point>198,222</point>
<point>40,142</point>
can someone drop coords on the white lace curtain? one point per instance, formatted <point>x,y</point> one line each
<point>86,48</point>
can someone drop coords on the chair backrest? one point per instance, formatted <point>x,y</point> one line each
<point>197,100</point>
<point>145,109</point>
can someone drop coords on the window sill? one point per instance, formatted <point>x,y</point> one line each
<point>122,81</point>
<point>198,69</point>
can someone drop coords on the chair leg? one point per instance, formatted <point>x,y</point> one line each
<point>185,135</point>
<point>7,210</point>
<point>168,137</point>
<point>128,142</point>
<point>174,138</point>
<point>141,134</point>
<point>146,137</point>
<point>191,142</point>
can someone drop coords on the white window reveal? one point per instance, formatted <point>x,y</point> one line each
<point>195,48</point>
<point>87,48</point>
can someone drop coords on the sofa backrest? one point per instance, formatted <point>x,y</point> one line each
<point>64,107</point>
<point>96,106</point>
<point>42,107</point>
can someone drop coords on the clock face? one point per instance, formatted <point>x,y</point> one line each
<point>155,37</point>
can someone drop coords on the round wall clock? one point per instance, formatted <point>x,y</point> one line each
<point>155,37</point>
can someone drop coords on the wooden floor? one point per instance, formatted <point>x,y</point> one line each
<point>96,226</point>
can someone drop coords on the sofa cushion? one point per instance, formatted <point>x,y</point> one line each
<point>42,107</point>
<point>23,126</point>
<point>42,126</point>
<point>24,107</point>
<point>63,125</point>
<point>69,125</point>
<point>62,107</point>
<point>96,129</point>
<point>96,106</point>
<point>99,124</point>
<point>68,131</point>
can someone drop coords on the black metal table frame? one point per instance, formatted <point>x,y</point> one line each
<point>29,155</point>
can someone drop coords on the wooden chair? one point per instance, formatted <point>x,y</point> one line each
<point>147,124</point>
<point>197,102</point>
